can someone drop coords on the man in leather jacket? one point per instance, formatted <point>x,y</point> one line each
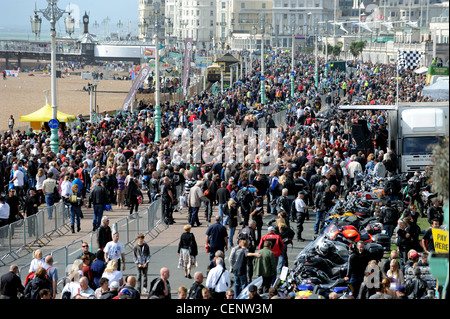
<point>416,286</point>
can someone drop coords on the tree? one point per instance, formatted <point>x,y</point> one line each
<point>440,176</point>
<point>357,47</point>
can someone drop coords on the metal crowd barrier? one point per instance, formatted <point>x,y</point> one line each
<point>18,237</point>
<point>145,221</point>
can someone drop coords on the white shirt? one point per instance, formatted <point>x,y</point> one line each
<point>36,263</point>
<point>4,211</point>
<point>19,181</point>
<point>299,205</point>
<point>114,250</point>
<point>66,188</point>
<point>116,275</point>
<point>40,181</point>
<point>73,287</point>
<point>224,282</point>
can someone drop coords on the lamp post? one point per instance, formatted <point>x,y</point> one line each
<point>293,29</point>
<point>156,17</point>
<point>52,13</point>
<point>263,79</point>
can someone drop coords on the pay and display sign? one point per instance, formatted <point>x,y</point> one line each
<point>440,239</point>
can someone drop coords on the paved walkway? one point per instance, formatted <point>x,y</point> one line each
<point>163,248</point>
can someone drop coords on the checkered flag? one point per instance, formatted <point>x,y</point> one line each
<point>408,60</point>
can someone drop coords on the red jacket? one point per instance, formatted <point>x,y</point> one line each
<point>277,243</point>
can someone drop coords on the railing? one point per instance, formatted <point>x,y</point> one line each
<point>147,221</point>
<point>19,237</point>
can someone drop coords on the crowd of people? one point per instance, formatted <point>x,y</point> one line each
<point>114,162</point>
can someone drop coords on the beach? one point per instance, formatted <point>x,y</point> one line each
<point>24,94</point>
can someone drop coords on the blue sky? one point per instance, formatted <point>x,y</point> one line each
<point>15,14</point>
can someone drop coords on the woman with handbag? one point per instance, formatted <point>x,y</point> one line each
<point>187,251</point>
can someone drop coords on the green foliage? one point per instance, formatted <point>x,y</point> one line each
<point>440,176</point>
<point>357,47</point>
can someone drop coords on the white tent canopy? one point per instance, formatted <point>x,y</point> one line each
<point>438,90</point>
<point>421,70</point>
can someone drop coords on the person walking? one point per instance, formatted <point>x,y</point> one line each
<point>222,197</point>
<point>167,200</point>
<point>142,255</point>
<point>75,203</point>
<point>265,266</point>
<point>231,214</point>
<point>218,280</point>
<point>133,193</point>
<point>10,284</point>
<point>277,245</point>
<point>301,209</point>
<point>187,251</point>
<point>239,265</point>
<point>48,189</point>
<point>160,287</point>
<point>104,234</point>
<point>195,292</point>
<point>99,197</point>
<point>194,201</point>
<point>256,214</point>
<point>115,250</point>
<point>216,238</point>
<point>11,120</point>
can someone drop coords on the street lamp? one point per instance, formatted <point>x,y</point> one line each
<point>293,29</point>
<point>157,19</point>
<point>69,22</point>
<point>169,30</point>
<point>52,13</point>
<point>263,79</point>
<point>119,28</point>
<point>36,23</point>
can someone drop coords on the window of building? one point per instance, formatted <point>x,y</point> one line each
<point>242,5</point>
<point>263,5</point>
<point>223,5</point>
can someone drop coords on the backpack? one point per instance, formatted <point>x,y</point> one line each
<point>411,186</point>
<point>244,197</point>
<point>244,233</point>
<point>288,235</point>
<point>273,183</point>
<point>73,199</point>
<point>390,215</point>
<point>31,275</point>
<point>389,189</point>
<point>153,286</point>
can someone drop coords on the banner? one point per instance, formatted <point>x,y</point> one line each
<point>134,88</point>
<point>187,64</point>
<point>149,52</point>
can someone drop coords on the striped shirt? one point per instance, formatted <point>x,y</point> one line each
<point>188,184</point>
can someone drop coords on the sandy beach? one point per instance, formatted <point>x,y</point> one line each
<point>25,94</point>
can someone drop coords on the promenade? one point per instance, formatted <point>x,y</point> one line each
<point>163,247</point>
